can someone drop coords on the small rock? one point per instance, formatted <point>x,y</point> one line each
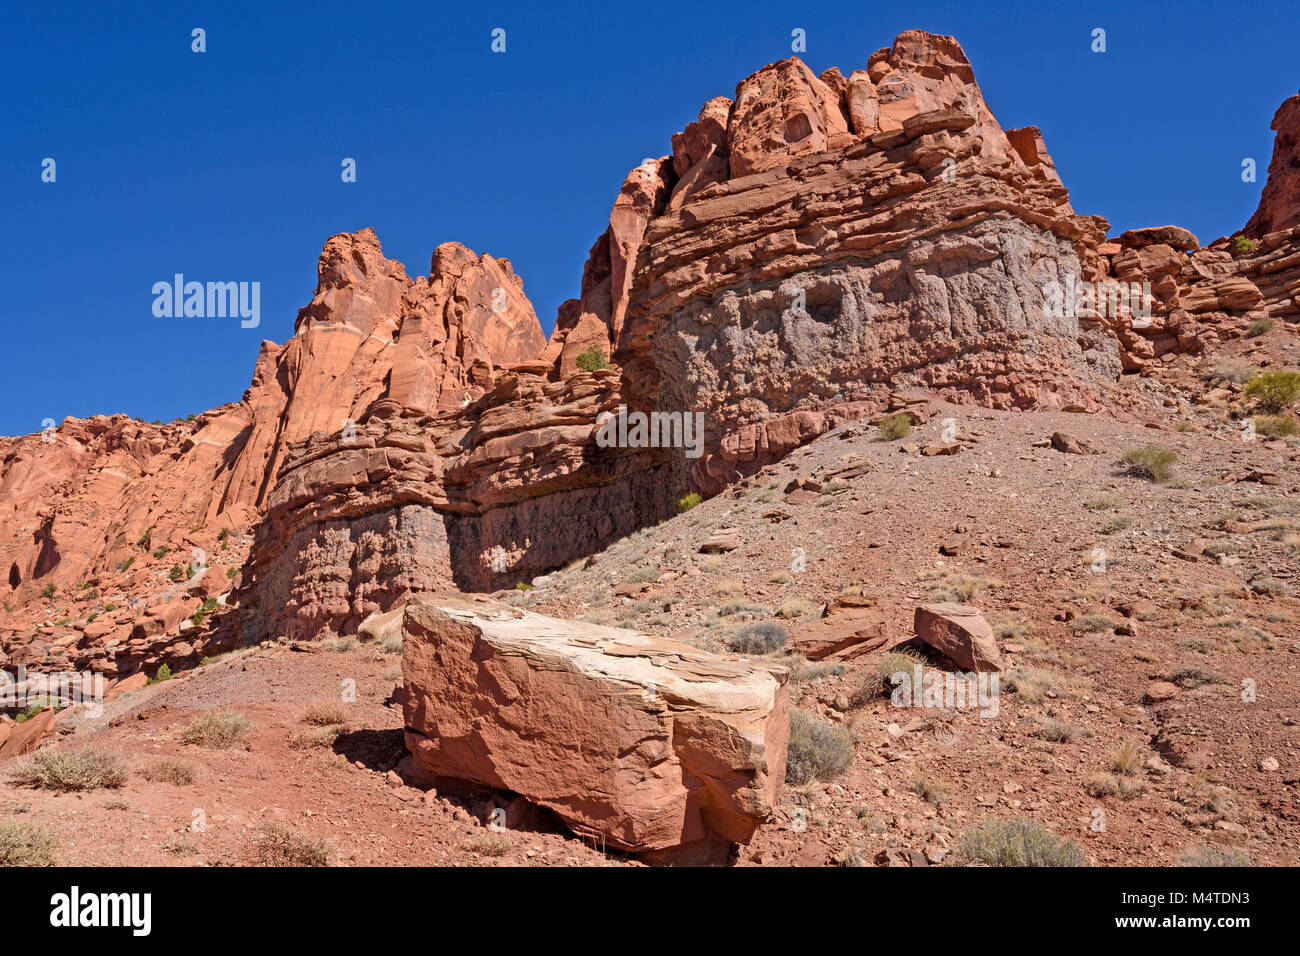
<point>1160,690</point>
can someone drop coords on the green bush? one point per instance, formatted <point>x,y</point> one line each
<point>592,359</point>
<point>895,427</point>
<point>689,502</point>
<point>49,591</point>
<point>1151,462</point>
<point>1244,245</point>
<point>816,750</point>
<point>1018,842</point>
<point>161,674</point>
<point>1274,391</point>
<point>1258,328</point>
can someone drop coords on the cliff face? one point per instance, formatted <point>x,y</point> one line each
<point>809,248</point>
<point>1279,205</point>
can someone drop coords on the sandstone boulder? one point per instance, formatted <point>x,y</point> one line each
<point>960,633</point>
<point>647,745</point>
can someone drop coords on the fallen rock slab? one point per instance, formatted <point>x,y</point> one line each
<point>843,636</point>
<point>960,633</point>
<point>1070,445</point>
<point>647,745</point>
<point>725,539</point>
<point>27,736</point>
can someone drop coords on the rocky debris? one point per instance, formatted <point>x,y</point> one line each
<point>1279,203</point>
<point>645,745</point>
<point>960,633</point>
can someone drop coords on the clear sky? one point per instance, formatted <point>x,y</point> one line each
<point>225,165</point>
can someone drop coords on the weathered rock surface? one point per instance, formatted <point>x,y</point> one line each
<point>644,744</point>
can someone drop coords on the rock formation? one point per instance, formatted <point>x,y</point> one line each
<point>808,249</point>
<point>1279,205</point>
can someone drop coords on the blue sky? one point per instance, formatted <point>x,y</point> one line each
<point>225,165</point>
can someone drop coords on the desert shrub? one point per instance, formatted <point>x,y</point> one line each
<point>316,737</point>
<point>1104,502</point>
<point>1092,623</point>
<point>489,844</point>
<point>592,359</point>
<point>689,502</point>
<point>803,670</point>
<point>87,768</point>
<point>1235,370</point>
<point>1126,758</point>
<point>761,638</point>
<point>1243,245</point>
<point>1018,842</point>
<point>1259,327</point>
<point>1031,683</point>
<point>795,609</point>
<point>217,730</point>
<point>391,644</point>
<point>1274,391</point>
<point>1102,785</point>
<point>1190,676</point>
<point>280,845</point>
<point>816,750</point>
<point>49,591</point>
<point>339,645</point>
<point>1115,523</point>
<point>1215,856</point>
<point>929,789</point>
<point>1059,731</point>
<point>323,713</point>
<point>1276,426</point>
<point>646,575</point>
<point>744,609</point>
<point>27,844</point>
<point>895,427</point>
<point>168,770</point>
<point>1150,461</point>
<point>878,678</point>
<point>1270,585</point>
